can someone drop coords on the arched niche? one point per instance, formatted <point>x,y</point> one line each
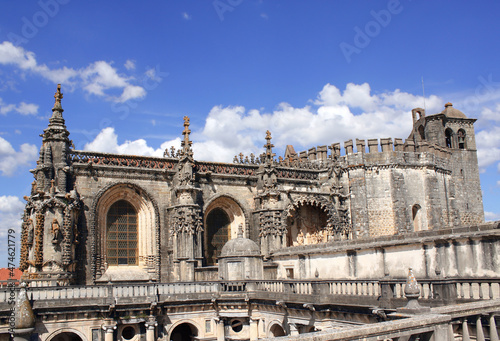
<point>417,218</point>
<point>311,220</point>
<point>147,234</point>
<point>222,217</point>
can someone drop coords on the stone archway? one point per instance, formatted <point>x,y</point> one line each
<point>276,330</point>
<point>313,220</point>
<point>66,334</point>
<point>223,216</point>
<point>184,332</point>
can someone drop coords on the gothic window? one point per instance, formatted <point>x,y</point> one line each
<point>461,139</point>
<point>448,138</point>
<point>218,233</point>
<point>121,236</point>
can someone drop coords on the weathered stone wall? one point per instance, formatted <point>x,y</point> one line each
<point>464,252</point>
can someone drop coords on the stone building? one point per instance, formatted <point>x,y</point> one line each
<point>367,212</point>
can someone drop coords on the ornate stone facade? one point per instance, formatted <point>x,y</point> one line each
<point>182,211</point>
<point>172,248</point>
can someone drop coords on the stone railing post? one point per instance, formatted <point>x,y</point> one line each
<point>320,288</point>
<point>445,290</point>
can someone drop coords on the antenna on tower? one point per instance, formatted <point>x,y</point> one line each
<point>423,91</point>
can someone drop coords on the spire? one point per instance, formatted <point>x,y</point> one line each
<point>57,110</point>
<point>186,143</point>
<point>58,96</point>
<point>269,148</point>
<point>56,128</point>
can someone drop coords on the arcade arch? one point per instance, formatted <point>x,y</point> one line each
<point>222,217</point>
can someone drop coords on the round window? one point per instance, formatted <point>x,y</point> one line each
<point>128,333</point>
<point>236,326</point>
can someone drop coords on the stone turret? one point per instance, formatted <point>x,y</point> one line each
<point>53,161</point>
<point>187,226</point>
<point>268,203</point>
<point>50,222</point>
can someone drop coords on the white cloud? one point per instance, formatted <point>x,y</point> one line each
<point>488,145</point>
<point>11,160</point>
<point>107,142</point>
<point>186,16</point>
<point>491,216</point>
<point>11,210</point>
<point>9,204</point>
<point>131,92</point>
<point>129,65</point>
<point>95,79</point>
<point>23,108</point>
<point>16,55</point>
<point>233,129</point>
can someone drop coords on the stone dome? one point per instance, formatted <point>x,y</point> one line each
<point>240,247</point>
<point>451,112</point>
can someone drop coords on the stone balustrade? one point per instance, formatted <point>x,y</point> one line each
<point>446,290</point>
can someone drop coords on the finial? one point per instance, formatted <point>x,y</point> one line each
<point>240,230</point>
<point>448,105</point>
<point>58,96</point>
<point>412,293</point>
<point>186,144</point>
<point>269,148</point>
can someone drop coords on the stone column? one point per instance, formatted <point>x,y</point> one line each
<point>479,329</point>
<point>108,330</point>
<point>150,328</point>
<point>254,329</point>
<point>465,331</point>
<point>220,329</point>
<point>493,328</point>
<point>451,334</point>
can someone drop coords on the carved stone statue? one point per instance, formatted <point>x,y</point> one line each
<point>31,232</point>
<point>300,238</point>
<point>56,231</point>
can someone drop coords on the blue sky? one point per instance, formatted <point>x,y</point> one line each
<point>313,73</point>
